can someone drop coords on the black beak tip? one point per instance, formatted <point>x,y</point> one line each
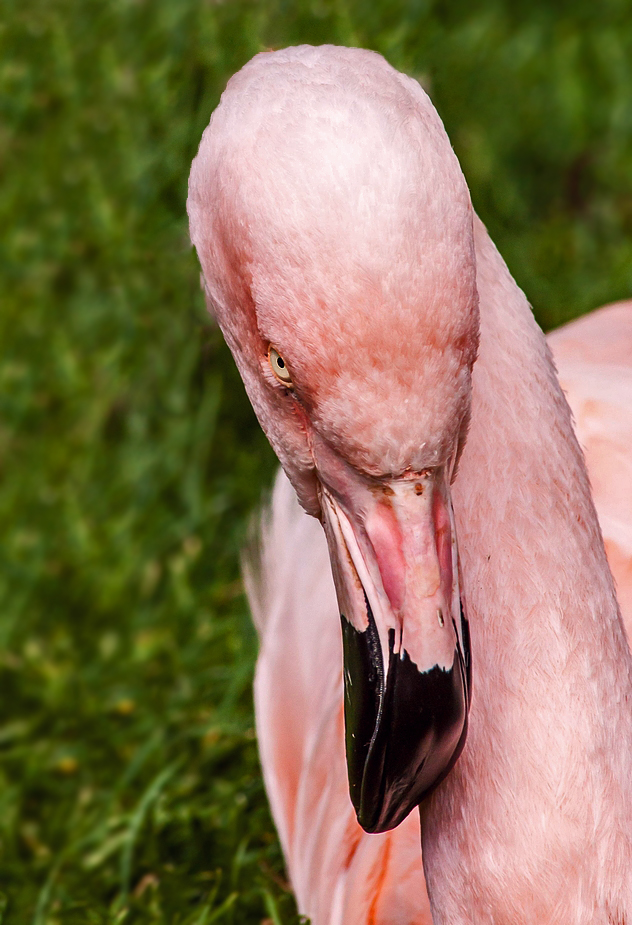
<point>403,736</point>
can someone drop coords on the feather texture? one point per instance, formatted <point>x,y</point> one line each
<point>334,226</point>
<point>339,873</point>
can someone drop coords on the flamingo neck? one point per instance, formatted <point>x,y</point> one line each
<point>534,824</point>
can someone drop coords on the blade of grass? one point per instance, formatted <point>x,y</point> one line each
<point>225,907</point>
<point>272,908</point>
<point>150,795</point>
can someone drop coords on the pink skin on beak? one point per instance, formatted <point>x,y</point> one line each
<point>394,559</point>
<point>410,532</point>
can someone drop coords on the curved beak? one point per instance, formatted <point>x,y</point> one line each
<point>406,643</point>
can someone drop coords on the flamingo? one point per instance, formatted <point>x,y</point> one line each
<point>483,671</point>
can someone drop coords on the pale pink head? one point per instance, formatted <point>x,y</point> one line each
<point>334,225</point>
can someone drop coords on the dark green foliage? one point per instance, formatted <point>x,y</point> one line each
<point>129,457</point>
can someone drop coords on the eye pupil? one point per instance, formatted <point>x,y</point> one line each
<point>279,367</point>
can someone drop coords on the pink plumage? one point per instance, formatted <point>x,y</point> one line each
<point>378,879</point>
<point>594,362</point>
<point>417,403</point>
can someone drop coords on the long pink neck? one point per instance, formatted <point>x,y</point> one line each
<point>534,824</point>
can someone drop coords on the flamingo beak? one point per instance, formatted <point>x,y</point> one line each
<point>405,637</point>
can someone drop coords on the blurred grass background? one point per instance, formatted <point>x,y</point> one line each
<point>129,457</point>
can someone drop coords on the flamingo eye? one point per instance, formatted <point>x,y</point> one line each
<point>279,367</point>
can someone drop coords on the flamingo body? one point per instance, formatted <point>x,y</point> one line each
<point>413,402</point>
<point>339,873</point>
<point>594,361</point>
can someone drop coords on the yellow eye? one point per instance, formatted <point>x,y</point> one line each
<point>279,368</point>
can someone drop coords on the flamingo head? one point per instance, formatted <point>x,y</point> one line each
<point>334,229</point>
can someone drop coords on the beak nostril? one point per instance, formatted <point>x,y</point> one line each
<point>419,488</point>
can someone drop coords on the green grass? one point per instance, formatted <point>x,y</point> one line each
<point>129,457</point>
